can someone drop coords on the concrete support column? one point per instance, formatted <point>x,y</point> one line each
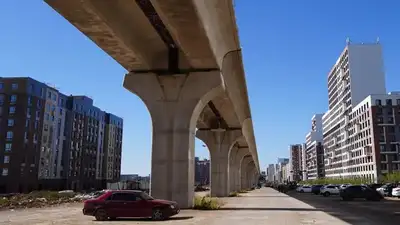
<point>237,163</point>
<point>175,103</point>
<point>243,171</point>
<point>219,143</point>
<point>233,169</point>
<point>250,174</point>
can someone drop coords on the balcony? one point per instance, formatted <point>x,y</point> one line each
<point>357,128</point>
<point>367,150</point>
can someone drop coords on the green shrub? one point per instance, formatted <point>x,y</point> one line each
<point>242,191</point>
<point>4,202</point>
<point>49,195</point>
<point>234,194</point>
<point>207,203</point>
<point>352,180</point>
<point>391,178</point>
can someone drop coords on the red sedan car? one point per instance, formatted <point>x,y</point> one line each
<point>126,203</point>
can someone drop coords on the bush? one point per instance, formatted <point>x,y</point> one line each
<point>392,178</point>
<point>354,180</point>
<point>242,191</point>
<point>234,194</point>
<point>207,203</point>
<point>37,199</point>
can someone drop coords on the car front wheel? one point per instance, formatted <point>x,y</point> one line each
<point>157,215</point>
<point>101,215</point>
<point>326,194</point>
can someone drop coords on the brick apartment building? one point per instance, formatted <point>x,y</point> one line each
<point>52,141</point>
<point>295,162</point>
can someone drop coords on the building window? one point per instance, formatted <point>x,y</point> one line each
<point>378,102</point>
<point>29,100</point>
<point>14,86</point>
<point>13,99</point>
<point>47,116</point>
<point>10,135</point>
<point>1,99</point>
<point>1,86</point>
<point>6,159</point>
<point>5,172</point>
<point>54,97</point>
<point>49,95</point>
<point>30,88</point>
<point>8,147</point>
<point>11,110</point>
<point>10,122</point>
<point>389,102</point>
<point>398,101</point>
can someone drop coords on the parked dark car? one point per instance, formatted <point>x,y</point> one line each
<point>316,189</point>
<point>360,191</point>
<point>127,203</point>
<point>375,186</point>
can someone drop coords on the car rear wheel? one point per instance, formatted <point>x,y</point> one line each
<point>301,191</point>
<point>157,214</point>
<point>101,215</point>
<point>326,194</point>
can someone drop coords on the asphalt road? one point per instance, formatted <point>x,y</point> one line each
<point>357,212</point>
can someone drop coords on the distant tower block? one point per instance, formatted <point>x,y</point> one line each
<point>347,40</point>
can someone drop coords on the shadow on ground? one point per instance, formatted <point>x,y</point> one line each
<point>358,212</point>
<point>150,220</point>
<point>267,209</point>
<point>264,196</point>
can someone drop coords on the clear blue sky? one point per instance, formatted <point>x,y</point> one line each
<point>289,47</point>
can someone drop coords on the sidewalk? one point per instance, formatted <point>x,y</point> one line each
<point>268,206</point>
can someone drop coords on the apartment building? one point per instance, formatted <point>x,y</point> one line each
<point>314,151</point>
<point>50,140</point>
<point>271,173</point>
<point>202,171</point>
<point>357,73</point>
<point>373,130</point>
<point>295,162</point>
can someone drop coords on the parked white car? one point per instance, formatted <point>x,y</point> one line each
<point>396,192</point>
<point>343,186</point>
<point>304,189</point>
<point>329,190</point>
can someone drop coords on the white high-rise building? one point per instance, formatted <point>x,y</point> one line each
<point>271,172</point>
<point>314,152</point>
<point>358,73</point>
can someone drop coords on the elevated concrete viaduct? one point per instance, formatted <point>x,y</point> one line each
<point>184,61</point>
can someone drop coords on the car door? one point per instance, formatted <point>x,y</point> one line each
<point>358,191</point>
<point>134,205</point>
<point>116,205</point>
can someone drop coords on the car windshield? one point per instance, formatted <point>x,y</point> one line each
<point>145,196</point>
